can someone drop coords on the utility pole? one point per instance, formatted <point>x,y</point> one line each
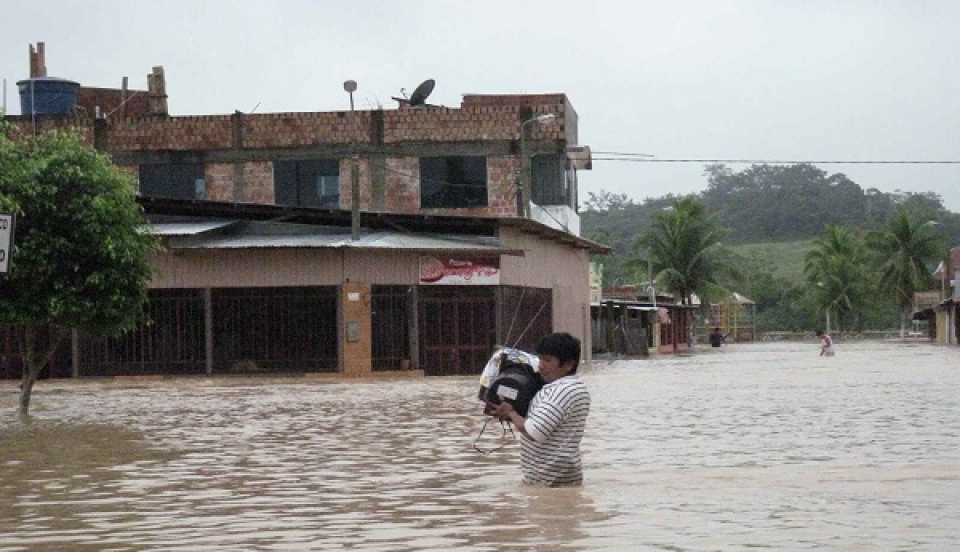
<point>350,87</point>
<point>355,198</point>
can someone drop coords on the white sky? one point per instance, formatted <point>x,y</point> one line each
<point>777,79</point>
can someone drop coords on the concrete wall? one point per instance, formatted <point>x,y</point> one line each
<point>553,265</point>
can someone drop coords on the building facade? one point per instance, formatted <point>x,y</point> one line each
<point>351,242</point>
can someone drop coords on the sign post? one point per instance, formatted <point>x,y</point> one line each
<point>6,241</point>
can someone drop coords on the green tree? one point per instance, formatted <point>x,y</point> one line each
<point>81,255</point>
<point>781,202</point>
<point>684,246</point>
<point>905,252</point>
<point>838,270</point>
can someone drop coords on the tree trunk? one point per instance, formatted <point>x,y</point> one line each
<point>34,362</point>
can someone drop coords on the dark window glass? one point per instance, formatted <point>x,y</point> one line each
<point>312,183</point>
<point>447,182</point>
<point>573,190</point>
<point>554,181</point>
<point>177,180</point>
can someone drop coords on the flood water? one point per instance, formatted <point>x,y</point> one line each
<point>762,446</point>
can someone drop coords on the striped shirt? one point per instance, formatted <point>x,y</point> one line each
<point>557,418</point>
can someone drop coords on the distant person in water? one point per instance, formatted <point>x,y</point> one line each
<point>826,344</point>
<point>717,338</point>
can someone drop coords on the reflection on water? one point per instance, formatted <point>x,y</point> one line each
<point>751,446</point>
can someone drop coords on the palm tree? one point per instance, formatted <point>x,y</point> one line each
<point>838,269</point>
<point>905,251</point>
<point>683,245</point>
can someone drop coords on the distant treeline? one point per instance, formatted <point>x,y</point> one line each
<point>760,204</point>
<point>773,217</point>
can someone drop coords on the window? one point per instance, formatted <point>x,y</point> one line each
<point>312,183</point>
<point>554,181</point>
<point>448,182</point>
<point>175,180</point>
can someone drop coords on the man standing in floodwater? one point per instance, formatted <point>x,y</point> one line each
<point>717,338</point>
<point>826,344</point>
<point>552,431</point>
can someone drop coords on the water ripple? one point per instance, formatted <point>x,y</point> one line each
<point>761,446</point>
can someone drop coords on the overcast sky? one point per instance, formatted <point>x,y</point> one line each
<point>793,80</point>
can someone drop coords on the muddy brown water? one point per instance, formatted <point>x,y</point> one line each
<point>764,446</point>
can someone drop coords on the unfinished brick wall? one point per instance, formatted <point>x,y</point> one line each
<point>23,126</point>
<point>257,183</point>
<point>279,130</point>
<point>403,185</point>
<point>111,102</point>
<point>364,183</point>
<point>388,183</point>
<point>503,176</point>
<point>219,177</point>
<point>170,133</point>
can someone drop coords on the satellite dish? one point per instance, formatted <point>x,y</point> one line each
<point>419,96</point>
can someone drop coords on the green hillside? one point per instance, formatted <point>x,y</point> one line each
<point>786,259</point>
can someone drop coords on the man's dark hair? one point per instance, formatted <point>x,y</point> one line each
<point>563,346</point>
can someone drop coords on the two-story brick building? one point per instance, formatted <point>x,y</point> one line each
<point>270,264</point>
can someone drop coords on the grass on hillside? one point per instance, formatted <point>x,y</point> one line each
<point>787,258</point>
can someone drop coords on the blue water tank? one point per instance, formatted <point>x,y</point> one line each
<point>48,96</point>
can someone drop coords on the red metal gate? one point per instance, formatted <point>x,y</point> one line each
<point>390,320</point>
<point>289,329</point>
<point>170,340</point>
<point>457,328</point>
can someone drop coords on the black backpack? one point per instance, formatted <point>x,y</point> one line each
<point>516,383</point>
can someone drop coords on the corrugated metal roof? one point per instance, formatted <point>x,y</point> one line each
<point>171,229</point>
<point>256,235</point>
<point>382,221</point>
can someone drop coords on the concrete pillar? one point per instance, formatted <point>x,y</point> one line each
<point>356,333</point>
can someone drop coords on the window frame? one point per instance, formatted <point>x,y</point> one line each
<point>173,180</point>
<point>454,182</point>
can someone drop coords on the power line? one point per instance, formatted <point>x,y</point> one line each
<point>642,158</point>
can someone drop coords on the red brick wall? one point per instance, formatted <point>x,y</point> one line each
<point>170,133</point>
<point>23,126</point>
<point>109,100</point>
<point>364,183</point>
<point>257,183</point>
<point>480,118</point>
<point>277,130</point>
<point>502,179</point>
<point>477,123</point>
<point>219,177</point>
<point>403,185</point>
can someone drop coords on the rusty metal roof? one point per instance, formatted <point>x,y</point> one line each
<point>257,235</point>
<point>417,223</point>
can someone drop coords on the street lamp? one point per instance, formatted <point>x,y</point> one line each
<point>826,311</point>
<point>526,184</point>
<point>350,87</point>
